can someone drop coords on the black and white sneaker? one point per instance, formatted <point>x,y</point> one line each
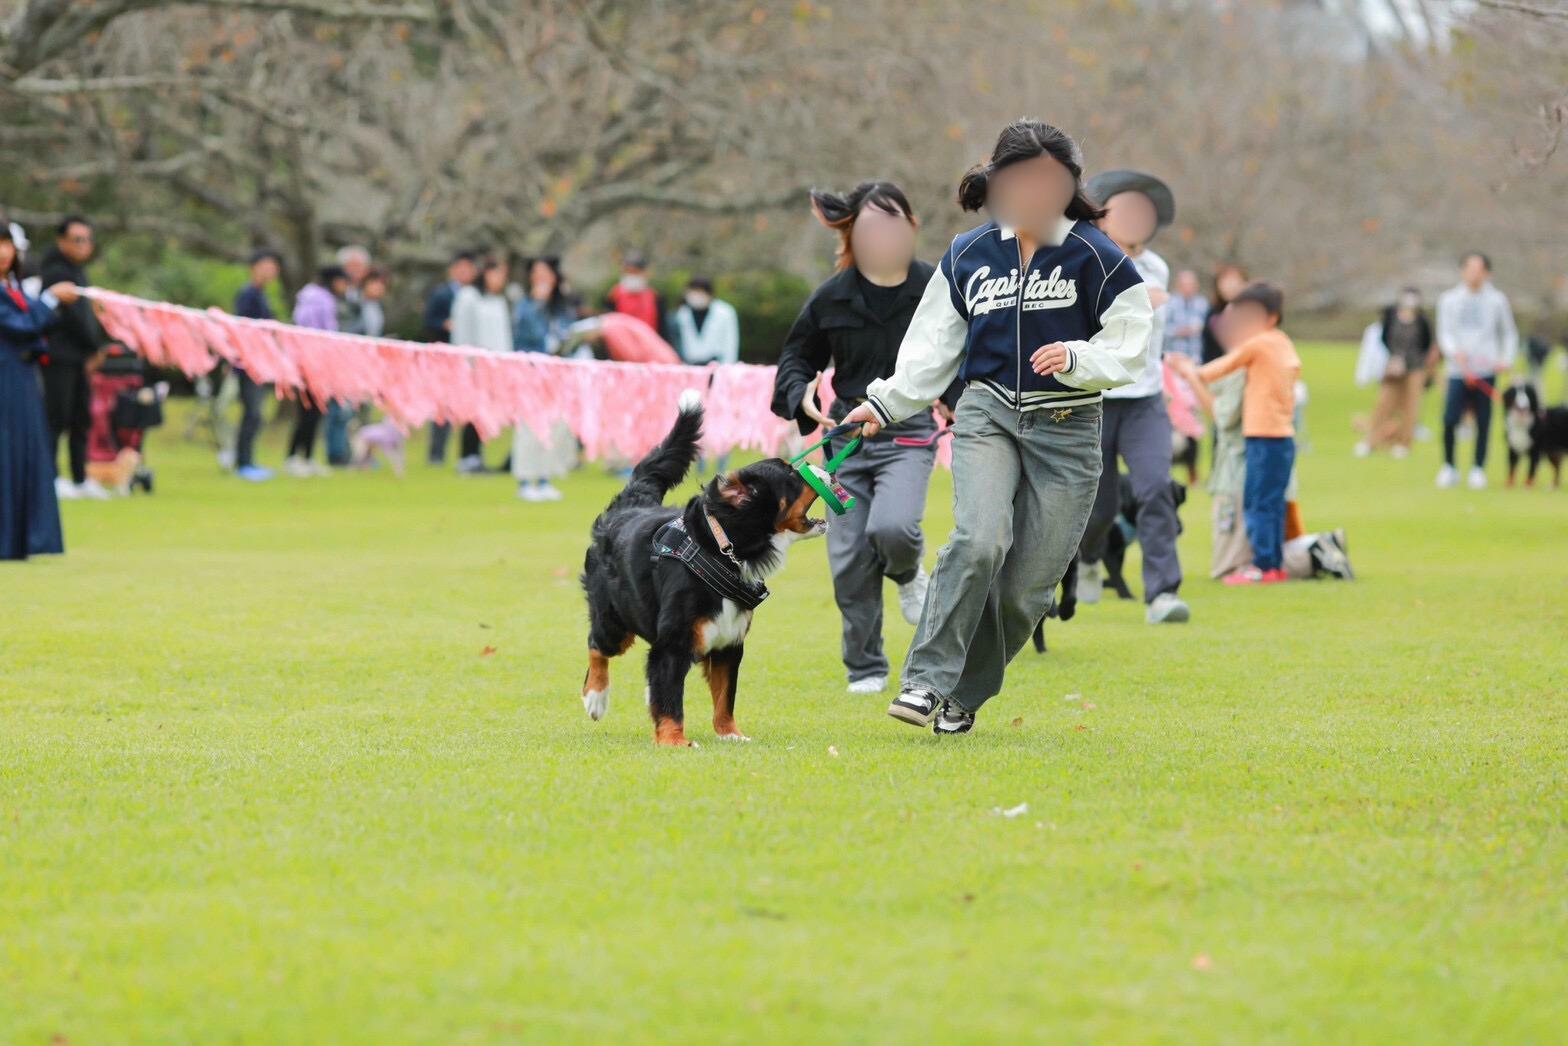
<point>916,706</point>
<point>953,720</point>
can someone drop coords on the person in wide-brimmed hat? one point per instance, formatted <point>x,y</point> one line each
<point>1136,427</point>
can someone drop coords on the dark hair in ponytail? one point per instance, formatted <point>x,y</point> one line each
<point>1024,140</point>
<point>838,212</point>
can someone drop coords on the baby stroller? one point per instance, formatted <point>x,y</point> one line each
<point>123,408</point>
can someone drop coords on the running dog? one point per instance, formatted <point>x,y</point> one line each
<point>687,580</point>
<point>1534,433</point>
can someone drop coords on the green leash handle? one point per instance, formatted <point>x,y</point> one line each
<point>820,477</point>
<point>839,458</point>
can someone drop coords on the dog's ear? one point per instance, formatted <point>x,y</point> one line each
<point>732,490</point>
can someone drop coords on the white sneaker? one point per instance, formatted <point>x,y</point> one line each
<point>93,490</point>
<point>1447,477</point>
<point>298,467</point>
<point>1399,452</point>
<point>1477,479</point>
<point>226,460</point>
<point>529,492</point>
<point>1363,449</point>
<point>319,468</point>
<point>548,492</point>
<point>912,599</point>
<point>65,490</point>
<point>1167,607</point>
<point>1090,584</point>
<point>869,685</point>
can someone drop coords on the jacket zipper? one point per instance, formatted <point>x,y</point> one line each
<point>1018,336</point>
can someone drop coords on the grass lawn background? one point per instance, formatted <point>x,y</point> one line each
<point>259,780</point>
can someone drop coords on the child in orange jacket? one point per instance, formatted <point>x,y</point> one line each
<point>1251,322</point>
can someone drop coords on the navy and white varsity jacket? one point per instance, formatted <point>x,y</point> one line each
<point>981,320</point>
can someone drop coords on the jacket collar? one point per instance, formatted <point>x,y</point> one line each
<point>1063,229</point>
<point>845,286</point>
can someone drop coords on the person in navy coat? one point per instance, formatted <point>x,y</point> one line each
<point>29,513</point>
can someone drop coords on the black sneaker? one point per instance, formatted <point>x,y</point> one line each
<point>954,720</point>
<point>916,706</point>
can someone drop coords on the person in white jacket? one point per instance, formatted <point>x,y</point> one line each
<point>1478,340</point>
<point>1039,313</point>
<point>706,328</point>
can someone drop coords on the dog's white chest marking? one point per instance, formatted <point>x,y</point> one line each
<point>728,629</point>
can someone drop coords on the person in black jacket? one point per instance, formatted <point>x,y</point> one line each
<point>856,322</point>
<point>73,342</point>
<point>437,327</point>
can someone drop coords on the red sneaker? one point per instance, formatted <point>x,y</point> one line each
<point>1244,576</point>
<point>1274,577</point>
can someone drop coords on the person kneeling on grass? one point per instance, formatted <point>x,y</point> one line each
<point>1304,556</point>
<point>1251,329</point>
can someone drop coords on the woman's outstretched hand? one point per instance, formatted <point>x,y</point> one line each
<point>866,418</point>
<point>1049,359</point>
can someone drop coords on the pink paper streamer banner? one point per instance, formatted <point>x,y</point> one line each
<point>616,409</point>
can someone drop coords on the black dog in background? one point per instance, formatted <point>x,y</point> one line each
<point>1115,555</point>
<point>1533,432</point>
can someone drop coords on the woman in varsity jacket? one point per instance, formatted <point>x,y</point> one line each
<point>1038,312</point>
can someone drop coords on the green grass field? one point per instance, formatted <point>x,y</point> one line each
<point>262,779</point>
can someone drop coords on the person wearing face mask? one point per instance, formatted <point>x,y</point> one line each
<point>1412,351</point>
<point>634,295</point>
<point>1135,426</point>
<point>706,329</point>
<point>855,323</point>
<point>1039,313</point>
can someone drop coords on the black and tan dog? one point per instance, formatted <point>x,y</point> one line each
<point>1534,432</point>
<point>687,580</point>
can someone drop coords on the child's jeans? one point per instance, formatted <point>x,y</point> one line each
<point>1269,461</point>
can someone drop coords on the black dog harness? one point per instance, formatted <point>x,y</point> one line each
<point>722,575</point>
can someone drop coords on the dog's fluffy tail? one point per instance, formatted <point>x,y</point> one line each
<point>667,464</point>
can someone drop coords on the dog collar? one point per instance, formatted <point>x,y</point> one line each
<point>723,576</point>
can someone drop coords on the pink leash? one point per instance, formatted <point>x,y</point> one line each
<point>911,441</point>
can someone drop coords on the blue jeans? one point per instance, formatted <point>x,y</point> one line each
<point>1269,460</point>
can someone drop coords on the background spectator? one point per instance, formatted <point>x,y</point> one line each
<point>253,303</point>
<point>633,295</point>
<point>437,324</point>
<point>1186,315</point>
<point>706,327</point>
<point>482,319</point>
<point>1478,339</point>
<point>315,306</point>
<point>73,343</point>
<point>29,510</point>
<point>1407,336</point>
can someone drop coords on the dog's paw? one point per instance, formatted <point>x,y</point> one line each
<point>647,696</point>
<point>737,737</point>
<point>596,703</point>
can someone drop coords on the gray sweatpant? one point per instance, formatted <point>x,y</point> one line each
<point>1139,432</point>
<point>879,538</point>
<point>1023,484</point>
